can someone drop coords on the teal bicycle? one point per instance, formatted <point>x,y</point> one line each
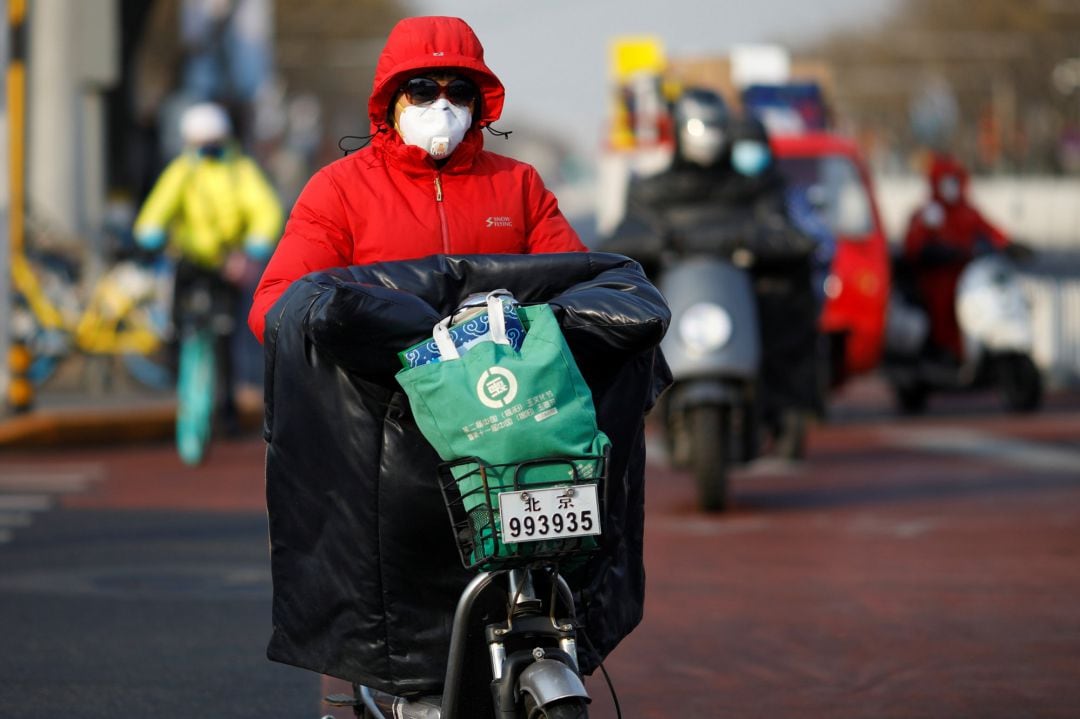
<point>195,395</point>
<point>203,323</point>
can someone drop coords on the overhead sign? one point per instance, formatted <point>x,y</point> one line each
<point>639,117</point>
<point>787,109</point>
<point>633,55</point>
<point>759,65</point>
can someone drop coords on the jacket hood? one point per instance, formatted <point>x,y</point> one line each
<point>428,43</point>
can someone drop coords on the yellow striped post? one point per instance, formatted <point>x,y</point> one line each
<point>20,389</point>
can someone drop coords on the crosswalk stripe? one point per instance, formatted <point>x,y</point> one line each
<point>55,481</point>
<point>25,502</point>
<point>26,490</point>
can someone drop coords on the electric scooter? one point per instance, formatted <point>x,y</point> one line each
<point>714,352</point>
<point>994,315</point>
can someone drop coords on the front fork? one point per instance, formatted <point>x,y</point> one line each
<point>547,674</point>
<point>531,652</point>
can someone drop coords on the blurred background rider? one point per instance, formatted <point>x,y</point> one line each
<point>216,214</point>
<point>723,177</point>
<point>943,235</point>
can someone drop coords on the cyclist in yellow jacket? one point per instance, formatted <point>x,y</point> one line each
<point>215,212</point>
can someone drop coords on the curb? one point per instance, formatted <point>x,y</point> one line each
<point>59,427</point>
<point>42,428</point>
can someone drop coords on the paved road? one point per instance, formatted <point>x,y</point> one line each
<point>133,586</point>
<point>916,568</point>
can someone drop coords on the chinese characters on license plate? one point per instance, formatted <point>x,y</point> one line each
<point>552,513</point>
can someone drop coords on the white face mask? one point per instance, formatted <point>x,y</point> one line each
<point>438,127</point>
<point>949,189</point>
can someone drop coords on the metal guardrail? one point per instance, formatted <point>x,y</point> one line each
<point>1055,301</point>
<point>1040,210</point>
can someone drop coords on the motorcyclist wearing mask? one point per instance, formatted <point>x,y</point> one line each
<point>425,184</point>
<point>943,235</point>
<point>656,205</point>
<point>723,193</point>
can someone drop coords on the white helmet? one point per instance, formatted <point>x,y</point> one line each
<point>204,123</point>
<point>701,118</point>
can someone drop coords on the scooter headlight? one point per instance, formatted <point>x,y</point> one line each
<point>705,327</point>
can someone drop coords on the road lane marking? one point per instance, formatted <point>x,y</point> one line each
<point>984,445</point>
<point>26,489</point>
<point>25,479</point>
<point>25,502</point>
<point>892,527</point>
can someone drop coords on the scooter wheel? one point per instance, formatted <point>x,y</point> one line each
<point>710,439</point>
<point>911,399</point>
<point>1020,382</point>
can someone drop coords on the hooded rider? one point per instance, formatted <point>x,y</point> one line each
<point>425,184</point>
<point>943,235</point>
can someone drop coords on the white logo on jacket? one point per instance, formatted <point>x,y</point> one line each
<point>499,221</point>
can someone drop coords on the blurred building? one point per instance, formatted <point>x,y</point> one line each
<point>325,54</point>
<point>72,63</point>
<point>720,73</point>
<point>997,82</point>
<point>107,80</point>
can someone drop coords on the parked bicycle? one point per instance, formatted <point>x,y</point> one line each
<point>122,320</point>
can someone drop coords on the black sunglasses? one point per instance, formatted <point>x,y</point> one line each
<point>424,90</point>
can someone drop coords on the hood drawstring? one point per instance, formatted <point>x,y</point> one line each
<point>498,133</point>
<point>365,140</point>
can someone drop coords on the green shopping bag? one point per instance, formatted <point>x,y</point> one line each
<point>504,407</point>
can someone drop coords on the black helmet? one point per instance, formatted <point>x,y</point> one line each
<point>701,118</point>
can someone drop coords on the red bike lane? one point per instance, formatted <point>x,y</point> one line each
<point>913,569</point>
<point>908,568</point>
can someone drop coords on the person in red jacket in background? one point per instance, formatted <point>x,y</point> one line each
<point>943,236</point>
<point>424,185</point>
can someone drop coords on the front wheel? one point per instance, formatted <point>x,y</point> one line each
<point>1020,383</point>
<point>195,396</point>
<point>569,708</point>
<point>710,442</point>
<point>912,398</point>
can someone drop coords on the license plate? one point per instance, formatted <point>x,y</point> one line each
<point>534,515</point>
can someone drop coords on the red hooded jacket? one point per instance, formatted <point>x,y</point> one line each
<point>391,201</point>
<point>954,224</point>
